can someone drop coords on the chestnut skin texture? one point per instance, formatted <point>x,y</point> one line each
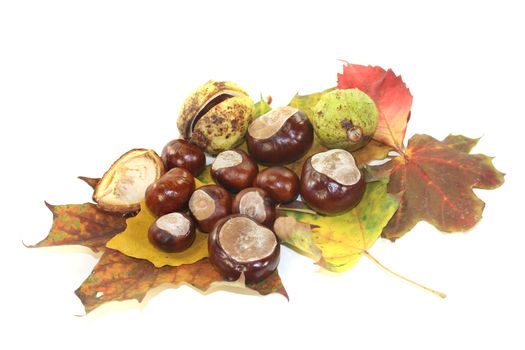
<point>269,205</point>
<point>182,154</point>
<point>281,183</point>
<point>171,192</point>
<point>223,206</point>
<point>169,243</point>
<point>238,177</point>
<point>327,196</point>
<point>287,145</point>
<point>231,269</point>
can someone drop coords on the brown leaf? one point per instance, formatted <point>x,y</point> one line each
<point>434,181</point>
<point>118,277</point>
<point>82,224</point>
<point>91,181</point>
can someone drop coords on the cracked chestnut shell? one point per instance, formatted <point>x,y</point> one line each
<point>234,170</point>
<point>182,154</point>
<point>239,245</point>
<point>280,136</point>
<point>331,182</point>
<point>255,203</point>
<point>174,232</point>
<point>215,116</point>
<point>171,192</point>
<point>281,183</point>
<point>122,187</point>
<point>208,204</point>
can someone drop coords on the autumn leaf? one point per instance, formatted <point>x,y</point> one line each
<point>306,103</point>
<point>82,224</point>
<point>262,107</point>
<point>118,277</point>
<point>434,181</point>
<point>134,242</point>
<point>343,239</point>
<point>390,94</point>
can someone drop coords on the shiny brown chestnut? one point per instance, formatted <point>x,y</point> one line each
<point>182,154</point>
<point>255,203</point>
<point>208,204</point>
<point>172,232</point>
<point>331,182</point>
<point>280,136</point>
<point>281,183</point>
<point>239,245</point>
<point>234,170</point>
<point>171,192</point>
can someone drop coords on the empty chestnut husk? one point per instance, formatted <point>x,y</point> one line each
<point>172,232</point>
<point>239,245</point>
<point>281,183</point>
<point>208,204</point>
<point>331,182</point>
<point>280,136</point>
<point>234,170</point>
<point>182,154</point>
<point>171,192</point>
<point>255,203</point>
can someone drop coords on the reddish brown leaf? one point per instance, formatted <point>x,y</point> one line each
<point>83,224</point>
<point>389,92</point>
<point>118,277</point>
<point>434,181</point>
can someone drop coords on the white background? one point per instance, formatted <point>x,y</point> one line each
<point>81,82</point>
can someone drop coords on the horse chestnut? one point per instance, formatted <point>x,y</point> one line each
<point>182,154</point>
<point>234,170</point>
<point>281,183</point>
<point>255,203</point>
<point>208,204</point>
<point>172,232</point>
<point>171,192</point>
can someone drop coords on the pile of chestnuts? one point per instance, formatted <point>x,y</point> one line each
<point>239,210</point>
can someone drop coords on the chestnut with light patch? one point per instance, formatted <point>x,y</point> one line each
<point>281,136</point>
<point>331,182</point>
<point>208,204</point>
<point>234,170</point>
<point>174,232</point>
<point>239,245</point>
<point>255,203</point>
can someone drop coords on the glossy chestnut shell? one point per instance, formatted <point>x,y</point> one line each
<point>171,192</point>
<point>208,204</point>
<point>281,183</point>
<point>238,244</point>
<point>327,195</point>
<point>234,170</point>
<point>280,136</point>
<point>182,154</point>
<point>174,232</point>
<point>255,203</point>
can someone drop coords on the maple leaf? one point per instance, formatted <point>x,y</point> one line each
<point>118,277</point>
<point>390,94</point>
<point>340,241</point>
<point>434,181</point>
<point>82,224</point>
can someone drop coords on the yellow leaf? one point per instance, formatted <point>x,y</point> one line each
<point>134,242</point>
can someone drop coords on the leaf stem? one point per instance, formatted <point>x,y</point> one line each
<point>439,294</point>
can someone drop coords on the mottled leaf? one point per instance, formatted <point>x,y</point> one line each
<point>306,103</point>
<point>434,181</point>
<point>82,224</point>
<point>390,94</point>
<point>343,239</point>
<point>134,242</point>
<point>118,277</point>
<point>373,150</point>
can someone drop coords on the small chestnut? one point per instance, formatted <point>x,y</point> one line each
<point>239,245</point>
<point>255,203</point>
<point>281,183</point>
<point>331,182</point>
<point>234,170</point>
<point>182,154</point>
<point>172,232</point>
<point>280,136</point>
<point>208,204</point>
<point>171,192</point>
